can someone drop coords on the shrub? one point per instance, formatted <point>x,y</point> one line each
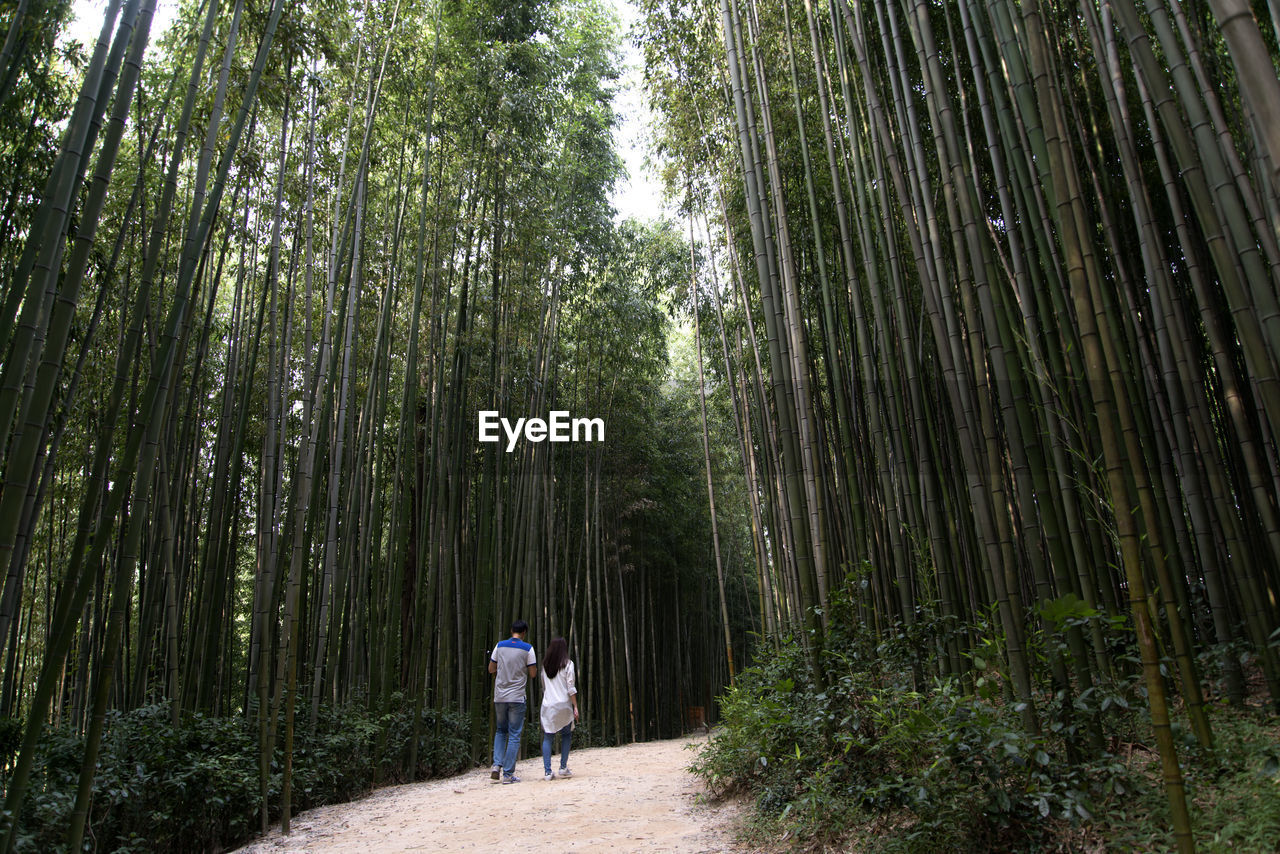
<point>1233,791</point>
<point>955,770</point>
<point>882,759</point>
<point>195,787</point>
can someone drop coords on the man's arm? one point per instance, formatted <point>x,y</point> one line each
<point>493,667</point>
<point>533,670</point>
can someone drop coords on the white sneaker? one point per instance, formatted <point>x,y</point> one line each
<point>549,777</point>
<point>565,772</point>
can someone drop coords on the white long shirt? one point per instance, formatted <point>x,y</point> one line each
<point>557,708</point>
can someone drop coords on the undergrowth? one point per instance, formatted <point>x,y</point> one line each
<point>196,786</point>
<point>1233,791</point>
<point>883,760</point>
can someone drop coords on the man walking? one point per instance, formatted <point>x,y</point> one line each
<point>514,663</point>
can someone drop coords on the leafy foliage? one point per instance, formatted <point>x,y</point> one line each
<point>1234,791</point>
<point>885,765</point>
<point>956,769</point>
<point>195,786</point>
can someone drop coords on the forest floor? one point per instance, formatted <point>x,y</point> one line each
<point>638,797</point>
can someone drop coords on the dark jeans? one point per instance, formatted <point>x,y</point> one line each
<point>506,738</point>
<point>566,738</point>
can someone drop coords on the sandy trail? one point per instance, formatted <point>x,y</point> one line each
<point>638,797</point>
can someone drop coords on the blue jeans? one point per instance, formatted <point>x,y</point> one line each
<point>506,738</point>
<point>566,738</point>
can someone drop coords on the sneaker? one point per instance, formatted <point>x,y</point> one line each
<point>510,778</point>
<point>495,772</point>
<point>565,772</point>
<point>549,777</point>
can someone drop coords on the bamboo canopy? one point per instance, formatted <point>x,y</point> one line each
<point>1009,275</point>
<point>260,275</point>
<point>983,348</point>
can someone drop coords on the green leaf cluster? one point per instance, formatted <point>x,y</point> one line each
<point>195,786</point>
<point>948,770</point>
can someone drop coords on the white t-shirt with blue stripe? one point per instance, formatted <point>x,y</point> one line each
<point>513,657</point>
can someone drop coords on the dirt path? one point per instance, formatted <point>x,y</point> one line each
<point>621,799</point>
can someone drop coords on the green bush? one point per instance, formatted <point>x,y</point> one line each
<point>1233,791</point>
<point>1236,793</point>
<point>195,787</point>
<point>883,759</point>
<point>966,772</point>
<point>952,768</point>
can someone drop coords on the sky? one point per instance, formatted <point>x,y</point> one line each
<point>638,195</point>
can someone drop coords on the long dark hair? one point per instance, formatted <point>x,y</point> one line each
<point>556,658</point>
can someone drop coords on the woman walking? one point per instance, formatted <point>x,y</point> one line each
<point>559,705</point>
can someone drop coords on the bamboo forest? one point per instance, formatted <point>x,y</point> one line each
<point>921,446</point>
